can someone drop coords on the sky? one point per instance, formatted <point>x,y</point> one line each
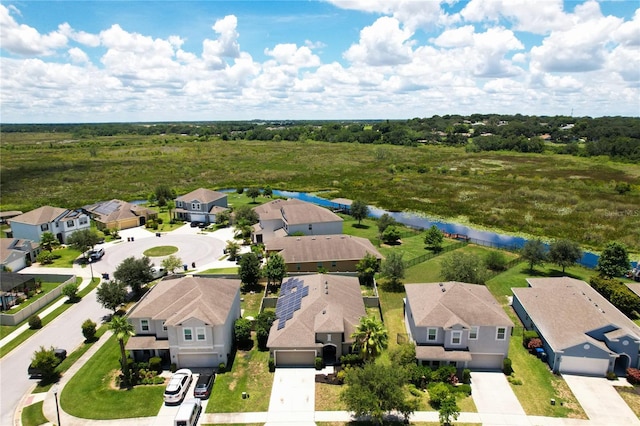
<point>133,61</point>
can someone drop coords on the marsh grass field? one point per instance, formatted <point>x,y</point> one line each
<point>542,195</point>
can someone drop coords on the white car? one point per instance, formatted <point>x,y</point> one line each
<point>178,386</point>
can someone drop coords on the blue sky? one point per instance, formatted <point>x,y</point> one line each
<point>102,61</point>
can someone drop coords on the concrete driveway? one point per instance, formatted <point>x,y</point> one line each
<point>293,397</point>
<point>600,401</point>
<point>495,400</point>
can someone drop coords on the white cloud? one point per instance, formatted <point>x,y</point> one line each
<point>456,37</point>
<point>25,40</point>
<point>91,40</point>
<point>411,13</point>
<point>538,17</point>
<point>78,56</point>
<point>382,43</point>
<point>290,54</point>
<point>226,46</point>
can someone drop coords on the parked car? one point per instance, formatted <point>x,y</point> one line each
<point>95,255</point>
<point>204,385</point>
<point>178,386</point>
<point>195,224</point>
<point>188,413</point>
<point>61,354</point>
<point>158,272</point>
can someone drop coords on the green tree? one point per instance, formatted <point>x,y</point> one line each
<point>45,361</point>
<point>376,390</point>
<point>614,260</point>
<point>359,210</point>
<point>171,263</point>
<point>242,330</point>
<point>164,193</point>
<point>263,324</point>
<point>275,269</point>
<point>449,410</point>
<point>249,269</point>
<point>253,193</point>
<point>434,238</point>
<point>245,214</point>
<point>232,249</point>
<point>495,261</point>
<point>391,235</point>
<point>223,218</point>
<point>463,267</point>
<point>83,240</point>
<point>170,206</point>
<point>403,354</point>
<point>71,291</point>
<point>370,338</point>
<point>534,252</point>
<point>111,294</point>
<point>367,269</point>
<point>122,329</point>
<point>134,273</point>
<point>89,330</point>
<point>268,192</point>
<point>393,270</point>
<point>384,222</point>
<point>48,241</point>
<point>564,253</point>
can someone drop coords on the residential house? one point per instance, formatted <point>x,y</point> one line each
<point>13,288</point>
<point>332,253</point>
<point>279,218</point>
<point>16,254</point>
<point>60,222</point>
<point>316,315</point>
<point>459,324</point>
<point>188,321</point>
<point>201,205</point>
<point>581,331</point>
<point>118,214</point>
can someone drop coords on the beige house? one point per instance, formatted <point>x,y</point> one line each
<point>333,253</point>
<point>118,214</point>
<point>187,321</point>
<point>316,315</point>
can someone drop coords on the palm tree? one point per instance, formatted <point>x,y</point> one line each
<point>121,329</point>
<point>48,241</point>
<point>370,337</point>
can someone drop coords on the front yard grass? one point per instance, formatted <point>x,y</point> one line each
<point>32,415</point>
<point>631,396</point>
<point>249,373</point>
<point>90,393</point>
<point>67,257</point>
<point>220,271</point>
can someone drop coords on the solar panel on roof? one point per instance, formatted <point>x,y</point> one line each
<point>291,293</point>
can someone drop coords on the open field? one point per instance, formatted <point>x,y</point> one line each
<point>531,194</point>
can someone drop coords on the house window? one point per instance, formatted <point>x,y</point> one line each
<point>178,203</point>
<point>456,337</point>
<point>501,333</point>
<point>473,333</point>
<point>328,337</point>
<point>195,206</point>
<point>319,265</point>
<point>200,335</point>
<point>432,334</point>
<point>144,325</point>
<point>44,227</point>
<point>333,264</point>
<point>298,266</point>
<point>70,223</point>
<point>83,221</point>
<point>164,325</point>
<point>310,227</point>
<point>188,334</point>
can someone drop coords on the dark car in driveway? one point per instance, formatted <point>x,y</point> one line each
<point>204,385</point>
<point>61,354</point>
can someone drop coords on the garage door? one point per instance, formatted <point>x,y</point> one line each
<point>485,362</point>
<point>196,360</point>
<point>295,358</point>
<point>197,217</point>
<point>583,365</point>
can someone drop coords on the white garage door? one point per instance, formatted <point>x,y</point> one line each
<point>196,360</point>
<point>197,217</point>
<point>485,362</point>
<point>583,365</point>
<point>295,358</point>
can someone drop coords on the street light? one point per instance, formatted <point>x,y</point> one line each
<point>55,396</point>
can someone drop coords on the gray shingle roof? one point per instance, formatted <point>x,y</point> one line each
<point>322,248</point>
<point>203,195</point>
<point>295,212</point>
<point>44,214</point>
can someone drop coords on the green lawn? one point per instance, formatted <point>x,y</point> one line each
<point>250,374</point>
<point>159,251</point>
<point>32,415</point>
<point>67,257</point>
<point>220,271</point>
<point>90,393</point>
<point>46,288</point>
<point>251,303</point>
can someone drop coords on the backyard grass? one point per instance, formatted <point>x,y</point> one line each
<point>90,393</point>
<point>220,271</point>
<point>631,396</point>
<point>32,415</point>
<point>160,251</point>
<point>249,373</point>
<point>252,301</point>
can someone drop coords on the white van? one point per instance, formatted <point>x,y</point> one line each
<point>188,413</point>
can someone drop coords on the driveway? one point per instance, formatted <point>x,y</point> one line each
<point>600,401</point>
<point>293,397</point>
<point>495,400</point>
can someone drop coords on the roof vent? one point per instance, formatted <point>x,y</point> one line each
<point>326,291</point>
<point>444,289</point>
<point>440,284</point>
<point>324,311</point>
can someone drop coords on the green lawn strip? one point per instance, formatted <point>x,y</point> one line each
<point>32,415</point>
<point>67,256</point>
<point>46,288</point>
<point>250,374</point>
<point>251,303</point>
<point>220,271</point>
<point>18,340</point>
<point>159,251</point>
<point>90,393</point>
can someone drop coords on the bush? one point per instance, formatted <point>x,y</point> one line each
<point>438,392</point>
<point>404,354</point>
<point>351,359</point>
<point>89,330</point>
<point>173,367</point>
<point>495,261</point>
<point>466,376</point>
<point>506,366</point>
<point>413,390</point>
<point>444,374</point>
<point>514,381</point>
<point>465,389</point>
<point>242,329</point>
<point>534,344</point>
<point>222,368</point>
<point>45,258</point>
<point>71,291</point>
<point>319,362</point>
<point>155,364</point>
<point>35,322</point>
<point>633,376</point>
<point>528,335</point>
<point>611,376</point>
<point>272,365</point>
<point>159,221</point>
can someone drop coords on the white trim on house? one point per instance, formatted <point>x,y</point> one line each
<point>504,333</point>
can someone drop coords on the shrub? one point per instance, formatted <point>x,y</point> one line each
<point>495,261</point>
<point>272,365</point>
<point>71,291</point>
<point>437,393</point>
<point>35,322</point>
<point>465,389</point>
<point>534,344</point>
<point>506,366</point>
<point>351,359</point>
<point>159,221</point>
<point>319,363</point>
<point>514,381</point>
<point>528,335</point>
<point>633,376</point>
<point>155,364</point>
<point>45,258</point>
<point>222,368</point>
<point>466,376</point>
<point>612,376</point>
<point>242,329</point>
<point>404,354</point>
<point>173,367</point>
<point>413,390</point>
<point>444,374</point>
<point>89,330</point>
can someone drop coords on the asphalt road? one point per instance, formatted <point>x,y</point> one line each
<point>63,332</point>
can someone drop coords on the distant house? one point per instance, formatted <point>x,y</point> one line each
<point>581,331</point>
<point>60,222</point>
<point>457,324</point>
<point>16,254</point>
<point>279,218</point>
<point>333,253</point>
<point>187,321</point>
<point>201,205</point>
<point>12,287</point>
<point>316,315</point>
<point>117,214</point>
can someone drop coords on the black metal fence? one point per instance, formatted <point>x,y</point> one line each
<point>427,256</point>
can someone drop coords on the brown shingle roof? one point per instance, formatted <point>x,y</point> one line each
<point>337,311</point>
<point>438,353</point>
<point>459,303</point>
<point>177,300</point>
<point>322,248</point>
<point>115,210</point>
<point>295,212</point>
<point>44,214</point>
<point>271,210</point>
<point>203,195</point>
